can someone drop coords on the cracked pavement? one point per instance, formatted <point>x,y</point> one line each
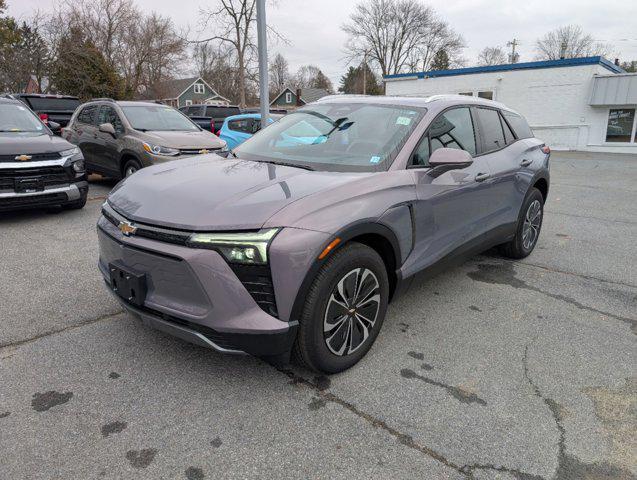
<point>492,370</point>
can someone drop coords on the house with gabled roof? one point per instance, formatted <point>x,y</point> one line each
<point>185,91</point>
<point>289,98</point>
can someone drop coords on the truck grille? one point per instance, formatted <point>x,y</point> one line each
<point>196,151</point>
<point>50,176</point>
<point>35,157</point>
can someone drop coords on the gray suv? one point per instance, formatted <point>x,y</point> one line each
<point>119,138</point>
<point>297,241</point>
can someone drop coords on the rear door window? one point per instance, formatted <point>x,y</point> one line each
<point>508,133</point>
<point>519,125</point>
<point>243,125</point>
<point>491,128</point>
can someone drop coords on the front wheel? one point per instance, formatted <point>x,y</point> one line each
<point>344,310</point>
<point>131,167</point>
<point>529,226</point>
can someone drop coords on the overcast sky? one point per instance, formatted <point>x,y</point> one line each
<point>313,26</point>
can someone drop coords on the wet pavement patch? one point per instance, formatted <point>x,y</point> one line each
<point>41,402</point>
<point>141,458</point>
<point>216,442</point>
<point>316,403</point>
<point>504,274</point>
<point>474,308</point>
<point>456,392</point>
<point>403,327</point>
<point>416,355</point>
<point>5,414</point>
<point>194,473</point>
<point>426,366</point>
<point>114,375</point>
<point>322,382</point>
<point>113,427</point>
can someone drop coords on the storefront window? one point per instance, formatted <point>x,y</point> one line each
<point>620,125</point>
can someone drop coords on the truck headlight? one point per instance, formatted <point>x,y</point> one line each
<point>159,150</point>
<point>247,247</point>
<point>71,152</point>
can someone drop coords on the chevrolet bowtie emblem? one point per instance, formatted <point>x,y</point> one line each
<point>23,158</point>
<point>127,228</point>
<point>204,151</point>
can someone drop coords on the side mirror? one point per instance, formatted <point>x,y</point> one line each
<point>451,158</point>
<point>107,128</point>
<point>55,127</point>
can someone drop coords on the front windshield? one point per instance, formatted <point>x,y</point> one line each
<point>335,137</point>
<point>158,118</point>
<point>16,118</point>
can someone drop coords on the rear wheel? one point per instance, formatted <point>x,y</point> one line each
<point>130,167</point>
<point>344,310</point>
<point>529,226</point>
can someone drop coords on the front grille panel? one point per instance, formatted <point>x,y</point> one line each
<point>33,200</point>
<point>196,151</point>
<point>50,176</point>
<point>258,282</point>
<point>35,157</point>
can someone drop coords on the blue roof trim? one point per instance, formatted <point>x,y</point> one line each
<point>566,62</point>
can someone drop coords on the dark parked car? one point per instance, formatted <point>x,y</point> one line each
<point>37,169</point>
<point>54,110</point>
<point>300,238</point>
<point>210,117</point>
<point>119,138</point>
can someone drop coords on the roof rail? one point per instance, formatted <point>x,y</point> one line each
<point>103,99</point>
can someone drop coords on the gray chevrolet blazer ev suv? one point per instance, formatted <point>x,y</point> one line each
<point>299,238</point>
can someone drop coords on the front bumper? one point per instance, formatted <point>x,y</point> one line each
<point>193,294</point>
<point>50,196</point>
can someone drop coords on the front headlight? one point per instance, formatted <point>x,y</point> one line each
<point>70,152</point>
<point>159,150</point>
<point>248,248</point>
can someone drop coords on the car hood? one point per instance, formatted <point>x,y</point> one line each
<point>211,193</point>
<point>199,139</point>
<point>30,143</point>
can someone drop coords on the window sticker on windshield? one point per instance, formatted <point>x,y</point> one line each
<point>374,159</point>
<point>403,121</point>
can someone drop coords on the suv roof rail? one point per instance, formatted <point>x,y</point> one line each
<point>102,99</point>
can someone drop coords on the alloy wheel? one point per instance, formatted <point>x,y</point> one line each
<point>351,312</point>
<point>531,227</point>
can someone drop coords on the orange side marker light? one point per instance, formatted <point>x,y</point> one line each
<point>329,248</point>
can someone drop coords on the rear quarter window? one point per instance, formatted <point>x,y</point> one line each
<point>518,124</point>
<point>491,128</point>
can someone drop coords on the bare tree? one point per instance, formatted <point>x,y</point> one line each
<point>279,74</point>
<point>492,56</point>
<point>399,35</point>
<point>569,41</point>
<point>311,76</point>
<point>233,23</point>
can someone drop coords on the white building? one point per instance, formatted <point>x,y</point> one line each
<point>575,104</point>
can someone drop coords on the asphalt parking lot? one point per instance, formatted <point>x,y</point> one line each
<point>493,370</point>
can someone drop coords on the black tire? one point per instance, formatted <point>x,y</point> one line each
<point>520,246</point>
<point>311,346</point>
<point>77,204</point>
<point>130,167</point>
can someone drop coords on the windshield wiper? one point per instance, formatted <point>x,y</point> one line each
<point>288,164</point>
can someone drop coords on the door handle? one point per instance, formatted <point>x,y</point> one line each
<point>481,177</point>
<point>526,162</point>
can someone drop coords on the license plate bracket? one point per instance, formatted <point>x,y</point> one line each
<point>128,283</point>
<point>28,185</point>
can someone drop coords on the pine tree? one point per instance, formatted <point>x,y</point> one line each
<point>440,61</point>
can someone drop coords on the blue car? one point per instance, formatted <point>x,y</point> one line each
<point>238,128</point>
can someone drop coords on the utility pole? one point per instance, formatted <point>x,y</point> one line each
<point>512,57</point>
<point>365,73</point>
<point>263,63</point>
